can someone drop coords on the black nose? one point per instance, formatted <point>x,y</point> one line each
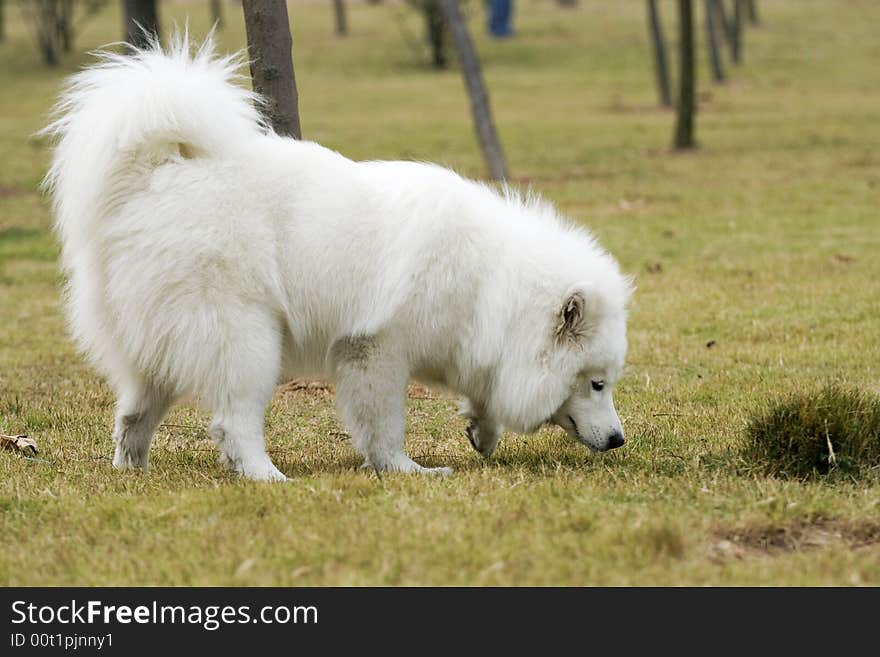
<point>615,440</point>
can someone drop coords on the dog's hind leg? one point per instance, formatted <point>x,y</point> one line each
<point>139,410</point>
<point>242,382</point>
<point>371,397</point>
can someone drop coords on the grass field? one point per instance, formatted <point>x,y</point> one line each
<point>756,264</point>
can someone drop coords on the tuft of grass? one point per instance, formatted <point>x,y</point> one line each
<point>833,430</point>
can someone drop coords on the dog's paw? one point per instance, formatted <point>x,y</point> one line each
<point>262,473</point>
<point>124,460</point>
<point>226,462</point>
<point>484,440</point>
<point>472,434</point>
<point>405,465</point>
<point>255,470</point>
<point>437,472</point>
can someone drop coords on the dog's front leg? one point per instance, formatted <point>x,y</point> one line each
<point>371,396</point>
<point>482,431</point>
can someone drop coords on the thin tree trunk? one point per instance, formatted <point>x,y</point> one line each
<point>736,32</point>
<point>723,21</point>
<point>476,88</point>
<point>341,23</point>
<point>65,25</point>
<point>217,13</point>
<point>141,20</point>
<point>661,68</point>
<point>270,48</point>
<point>2,20</point>
<point>47,31</point>
<point>435,26</point>
<point>712,42</point>
<point>684,130</point>
<point>752,7</point>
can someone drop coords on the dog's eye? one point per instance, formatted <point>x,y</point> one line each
<point>597,385</point>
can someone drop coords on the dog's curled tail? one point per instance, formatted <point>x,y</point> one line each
<point>128,114</point>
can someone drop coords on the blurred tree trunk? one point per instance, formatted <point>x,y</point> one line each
<point>712,42</point>
<point>435,26</point>
<point>141,20</point>
<point>64,21</point>
<point>270,48</point>
<point>684,130</point>
<point>736,32</point>
<point>723,21</point>
<point>661,67</point>
<point>476,88</point>
<point>2,20</point>
<point>339,11</point>
<point>752,7</point>
<point>217,13</point>
<point>43,16</point>
<point>52,23</point>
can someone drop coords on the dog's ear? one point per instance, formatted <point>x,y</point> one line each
<point>579,313</point>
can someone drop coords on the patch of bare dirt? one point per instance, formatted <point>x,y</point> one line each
<point>304,387</point>
<point>323,389</point>
<point>804,534</point>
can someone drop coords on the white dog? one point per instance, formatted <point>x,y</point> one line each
<point>207,256</point>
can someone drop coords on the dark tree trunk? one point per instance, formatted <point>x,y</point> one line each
<point>2,20</point>
<point>46,23</point>
<point>736,32</point>
<point>723,21</point>
<point>684,130</point>
<point>141,20</point>
<point>712,42</point>
<point>270,47</point>
<point>339,12</point>
<point>479,98</point>
<point>752,7</point>
<point>217,13</point>
<point>64,22</point>
<point>435,27</point>
<point>661,67</point>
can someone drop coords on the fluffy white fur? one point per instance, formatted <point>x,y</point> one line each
<point>207,256</point>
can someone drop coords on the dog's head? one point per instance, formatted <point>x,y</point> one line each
<point>580,352</point>
<point>590,345</point>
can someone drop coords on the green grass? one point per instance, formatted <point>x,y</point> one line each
<point>834,431</point>
<point>762,243</point>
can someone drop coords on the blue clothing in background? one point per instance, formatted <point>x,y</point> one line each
<point>500,13</point>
